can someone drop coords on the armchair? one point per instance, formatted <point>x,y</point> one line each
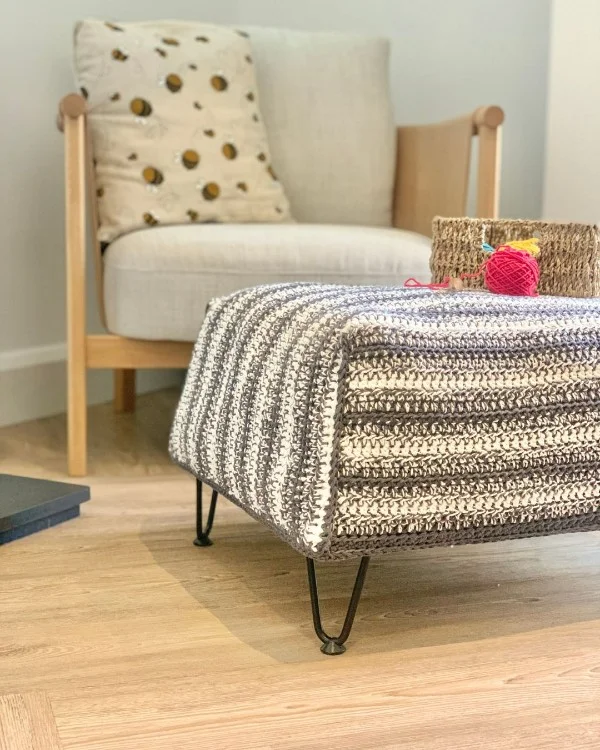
<point>152,301</point>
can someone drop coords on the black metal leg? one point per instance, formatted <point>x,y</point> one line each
<point>333,645</point>
<point>202,533</point>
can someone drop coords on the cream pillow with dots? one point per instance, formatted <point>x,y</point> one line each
<point>176,127</point>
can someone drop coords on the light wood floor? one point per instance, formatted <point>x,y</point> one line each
<point>117,634</point>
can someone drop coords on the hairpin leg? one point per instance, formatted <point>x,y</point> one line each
<point>333,645</point>
<point>202,534</point>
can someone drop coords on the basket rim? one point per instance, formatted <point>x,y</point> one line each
<point>541,223</point>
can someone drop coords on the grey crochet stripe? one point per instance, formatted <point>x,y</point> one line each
<point>354,420</point>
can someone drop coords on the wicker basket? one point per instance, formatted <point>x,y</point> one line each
<point>569,253</point>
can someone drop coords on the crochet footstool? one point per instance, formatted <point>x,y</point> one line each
<point>354,421</point>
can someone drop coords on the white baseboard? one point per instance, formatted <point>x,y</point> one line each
<point>33,383</point>
<point>18,359</point>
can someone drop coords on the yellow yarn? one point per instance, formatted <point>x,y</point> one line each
<point>530,246</point>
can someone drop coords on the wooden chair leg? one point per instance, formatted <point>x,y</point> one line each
<point>77,416</point>
<point>124,391</point>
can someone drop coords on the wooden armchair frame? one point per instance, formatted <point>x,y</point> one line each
<point>432,178</point>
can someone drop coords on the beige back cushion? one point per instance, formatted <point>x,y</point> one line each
<point>177,132</point>
<point>326,103</point>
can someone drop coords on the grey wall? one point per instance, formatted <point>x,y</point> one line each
<point>448,58</point>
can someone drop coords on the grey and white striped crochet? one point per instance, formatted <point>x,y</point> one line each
<point>355,420</point>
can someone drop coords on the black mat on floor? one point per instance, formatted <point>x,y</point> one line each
<point>30,505</point>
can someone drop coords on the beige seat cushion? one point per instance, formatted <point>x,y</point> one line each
<point>177,132</point>
<point>159,281</point>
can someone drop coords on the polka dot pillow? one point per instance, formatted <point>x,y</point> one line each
<point>176,127</point>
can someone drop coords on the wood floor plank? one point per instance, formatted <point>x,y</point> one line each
<point>514,693</point>
<point>27,723</point>
<point>119,632</point>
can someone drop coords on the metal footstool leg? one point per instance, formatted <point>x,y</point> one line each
<point>333,645</point>
<point>202,533</point>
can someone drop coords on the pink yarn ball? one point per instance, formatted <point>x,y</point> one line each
<point>512,272</point>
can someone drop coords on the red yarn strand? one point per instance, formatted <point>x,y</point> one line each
<point>506,271</point>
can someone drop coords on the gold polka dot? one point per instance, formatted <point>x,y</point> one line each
<point>173,82</point>
<point>150,219</point>
<point>211,191</point>
<point>229,151</point>
<point>119,55</point>
<point>152,176</point>
<point>190,159</point>
<point>219,83</point>
<point>140,107</point>
<point>170,41</point>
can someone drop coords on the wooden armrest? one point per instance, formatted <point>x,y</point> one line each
<point>432,169</point>
<point>80,185</point>
<point>72,106</point>
<point>487,122</point>
<point>487,117</point>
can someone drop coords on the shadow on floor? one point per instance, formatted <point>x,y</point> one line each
<point>256,586</point>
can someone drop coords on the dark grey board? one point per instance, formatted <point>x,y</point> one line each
<point>29,505</point>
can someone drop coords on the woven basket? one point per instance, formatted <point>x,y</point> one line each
<point>569,253</point>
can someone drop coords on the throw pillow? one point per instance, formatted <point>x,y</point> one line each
<point>176,127</point>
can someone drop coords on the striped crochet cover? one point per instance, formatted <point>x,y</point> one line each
<point>356,420</point>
